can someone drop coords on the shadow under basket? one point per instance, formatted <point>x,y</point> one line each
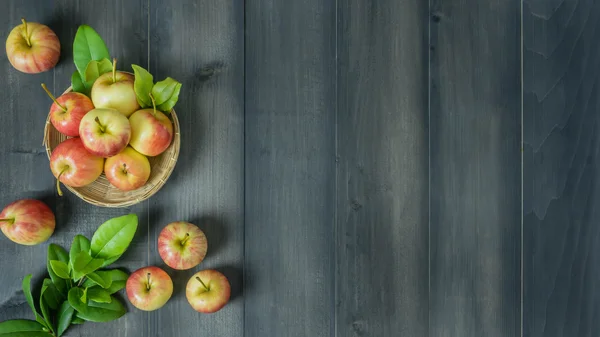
<point>101,192</point>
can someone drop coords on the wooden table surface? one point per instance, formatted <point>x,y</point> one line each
<point>361,168</point>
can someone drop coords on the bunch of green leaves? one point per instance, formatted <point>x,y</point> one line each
<point>91,58</point>
<point>79,287</point>
<point>161,95</point>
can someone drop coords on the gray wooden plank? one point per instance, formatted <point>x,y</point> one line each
<point>200,43</point>
<point>123,26</point>
<point>561,160</point>
<point>475,127</point>
<point>290,167</point>
<point>382,177</point>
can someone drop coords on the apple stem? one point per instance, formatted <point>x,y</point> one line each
<point>187,237</point>
<point>60,193</point>
<point>9,220</point>
<point>204,285</point>
<point>53,98</point>
<point>153,103</point>
<point>148,285</point>
<point>114,70</point>
<point>102,128</point>
<point>27,38</point>
<point>124,168</point>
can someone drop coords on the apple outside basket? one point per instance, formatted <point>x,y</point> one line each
<point>101,192</point>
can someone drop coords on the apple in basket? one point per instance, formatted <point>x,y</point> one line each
<point>67,111</point>
<point>105,132</point>
<point>73,165</point>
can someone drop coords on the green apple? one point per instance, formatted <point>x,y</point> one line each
<point>115,90</point>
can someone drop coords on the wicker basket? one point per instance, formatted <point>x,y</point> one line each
<point>101,192</point>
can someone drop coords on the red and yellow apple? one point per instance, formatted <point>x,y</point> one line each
<point>104,132</point>
<point>115,90</point>
<point>182,245</point>
<point>27,222</point>
<point>73,165</point>
<point>127,170</point>
<point>149,288</point>
<point>151,132</point>
<point>208,291</point>
<point>67,111</point>
<point>32,47</point>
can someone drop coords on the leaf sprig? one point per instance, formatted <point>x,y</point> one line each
<point>78,289</point>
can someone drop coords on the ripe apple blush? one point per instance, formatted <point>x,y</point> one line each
<point>27,222</point>
<point>67,111</point>
<point>32,47</point>
<point>73,165</point>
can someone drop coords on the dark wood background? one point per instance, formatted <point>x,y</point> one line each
<point>361,168</point>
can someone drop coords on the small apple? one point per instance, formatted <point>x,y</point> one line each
<point>27,222</point>
<point>127,170</point>
<point>32,47</point>
<point>105,132</point>
<point>115,90</point>
<point>151,132</point>
<point>149,288</point>
<point>182,245</point>
<point>208,291</point>
<point>67,111</point>
<point>73,165</point>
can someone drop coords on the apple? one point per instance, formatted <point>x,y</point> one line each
<point>182,245</point>
<point>105,132</point>
<point>151,132</point>
<point>128,170</point>
<point>73,165</point>
<point>115,90</point>
<point>32,47</point>
<point>27,222</point>
<point>208,291</point>
<point>67,111</point>
<point>149,288</point>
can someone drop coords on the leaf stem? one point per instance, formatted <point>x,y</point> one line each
<point>53,98</point>
<point>81,281</point>
<point>153,102</point>
<point>27,38</point>
<point>60,193</point>
<point>204,285</point>
<point>102,128</point>
<point>185,240</point>
<point>114,70</point>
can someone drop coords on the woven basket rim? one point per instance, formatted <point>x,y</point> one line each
<point>175,144</point>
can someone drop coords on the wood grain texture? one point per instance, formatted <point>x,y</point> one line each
<point>475,168</point>
<point>561,161</point>
<point>121,25</point>
<point>201,44</point>
<point>382,176</point>
<point>290,167</point>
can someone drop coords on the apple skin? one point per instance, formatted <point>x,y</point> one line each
<point>127,170</point>
<point>148,296</point>
<point>182,245</point>
<point>78,166</point>
<point>119,95</point>
<point>106,136</point>
<point>67,122</point>
<point>30,222</point>
<point>151,132</point>
<point>213,299</point>
<point>43,53</point>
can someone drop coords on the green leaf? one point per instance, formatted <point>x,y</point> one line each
<point>27,291</point>
<point>119,280</point>
<point>111,260</point>
<point>65,315</point>
<point>22,328</point>
<point>88,46</point>
<point>103,312</point>
<point>77,320</point>
<point>57,253</point>
<point>80,244</point>
<point>114,236</point>
<point>142,85</point>
<point>99,295</point>
<point>166,94</point>
<point>83,297</point>
<point>46,314</point>
<point>60,269</point>
<point>96,68</point>
<point>84,264</point>
<point>98,278</point>
<point>77,84</point>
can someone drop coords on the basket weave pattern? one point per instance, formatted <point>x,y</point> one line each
<point>101,192</point>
